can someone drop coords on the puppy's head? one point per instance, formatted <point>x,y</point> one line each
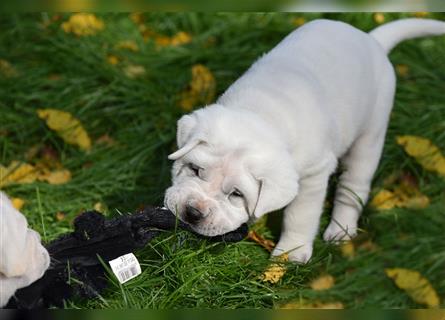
<point>230,168</point>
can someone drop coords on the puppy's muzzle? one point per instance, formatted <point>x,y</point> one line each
<point>192,215</point>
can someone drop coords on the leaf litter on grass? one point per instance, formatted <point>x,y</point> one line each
<point>83,24</point>
<point>401,191</point>
<point>67,127</point>
<point>425,152</point>
<point>43,165</point>
<point>276,270</point>
<point>415,285</point>
<point>201,89</point>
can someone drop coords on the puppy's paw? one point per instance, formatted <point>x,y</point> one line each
<point>299,253</point>
<point>336,232</point>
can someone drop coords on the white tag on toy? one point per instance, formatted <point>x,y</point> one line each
<point>125,267</point>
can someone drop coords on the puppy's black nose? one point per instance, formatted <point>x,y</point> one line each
<point>192,215</point>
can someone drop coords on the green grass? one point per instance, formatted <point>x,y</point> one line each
<point>180,270</point>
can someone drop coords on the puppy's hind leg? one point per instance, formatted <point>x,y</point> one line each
<point>360,163</point>
<point>353,188</point>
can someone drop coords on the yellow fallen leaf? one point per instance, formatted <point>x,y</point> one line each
<point>379,17</point>
<point>384,200</point>
<point>17,172</point>
<point>18,203</point>
<point>265,243</point>
<point>402,70</point>
<point>276,270</point>
<point>202,88</point>
<point>137,17</point>
<point>415,285</point>
<point>298,21</point>
<point>424,151</point>
<point>60,216</point>
<point>421,14</point>
<point>180,38</point>
<point>99,206</point>
<point>323,282</point>
<point>347,249</point>
<point>83,24</point>
<point>161,41</point>
<point>134,71</point>
<point>303,304</point>
<point>56,177</point>
<point>112,59</point>
<point>399,198</point>
<point>26,173</point>
<point>128,45</point>
<point>7,69</point>
<point>67,127</point>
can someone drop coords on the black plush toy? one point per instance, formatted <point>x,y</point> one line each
<point>75,255</point>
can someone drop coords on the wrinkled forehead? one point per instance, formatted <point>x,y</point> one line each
<point>230,164</point>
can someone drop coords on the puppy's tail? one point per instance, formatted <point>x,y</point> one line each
<point>390,34</point>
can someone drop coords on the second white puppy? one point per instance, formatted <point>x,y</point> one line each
<point>275,136</point>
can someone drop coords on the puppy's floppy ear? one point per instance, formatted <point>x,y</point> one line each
<point>186,138</point>
<point>277,188</point>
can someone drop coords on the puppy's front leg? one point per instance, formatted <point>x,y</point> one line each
<point>301,218</point>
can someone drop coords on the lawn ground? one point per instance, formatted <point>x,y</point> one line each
<point>131,119</point>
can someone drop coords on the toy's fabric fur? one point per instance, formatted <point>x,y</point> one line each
<point>23,259</point>
<point>275,136</point>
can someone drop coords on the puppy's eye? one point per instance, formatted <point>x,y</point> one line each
<point>237,193</point>
<point>195,169</point>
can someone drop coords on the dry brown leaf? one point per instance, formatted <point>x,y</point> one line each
<point>265,243</point>
<point>415,285</point>
<point>201,90</point>
<point>18,203</point>
<point>66,126</point>
<point>83,24</point>
<point>303,304</point>
<point>323,282</point>
<point>276,270</point>
<point>424,151</point>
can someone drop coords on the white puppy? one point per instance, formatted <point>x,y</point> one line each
<point>275,136</point>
